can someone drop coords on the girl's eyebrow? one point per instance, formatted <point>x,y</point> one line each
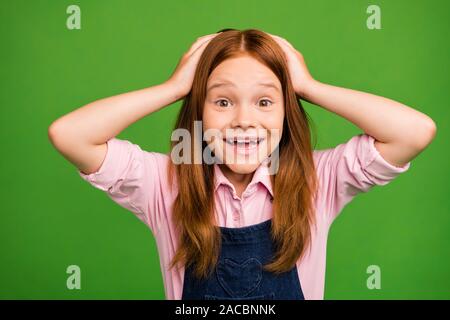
<point>224,83</point>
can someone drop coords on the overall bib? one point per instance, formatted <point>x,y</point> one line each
<point>239,274</point>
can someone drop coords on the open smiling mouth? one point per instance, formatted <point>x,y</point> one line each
<point>244,145</point>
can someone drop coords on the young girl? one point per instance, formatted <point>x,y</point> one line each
<point>236,228</point>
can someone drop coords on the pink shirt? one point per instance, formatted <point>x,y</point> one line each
<point>136,180</point>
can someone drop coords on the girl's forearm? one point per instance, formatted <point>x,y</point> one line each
<point>384,119</point>
<point>98,121</point>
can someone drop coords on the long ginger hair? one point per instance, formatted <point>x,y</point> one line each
<point>294,184</point>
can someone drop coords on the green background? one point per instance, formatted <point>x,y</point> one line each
<point>51,218</point>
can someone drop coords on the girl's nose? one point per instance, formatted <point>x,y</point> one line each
<point>244,117</point>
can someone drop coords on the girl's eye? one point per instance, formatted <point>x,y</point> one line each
<point>267,101</point>
<point>222,105</point>
<point>225,103</point>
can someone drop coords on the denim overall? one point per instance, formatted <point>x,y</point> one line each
<point>239,274</point>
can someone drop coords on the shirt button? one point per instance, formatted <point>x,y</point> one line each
<point>236,215</point>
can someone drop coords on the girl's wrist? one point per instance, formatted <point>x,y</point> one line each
<point>307,89</point>
<point>178,91</point>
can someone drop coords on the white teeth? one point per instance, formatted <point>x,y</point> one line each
<point>240,141</point>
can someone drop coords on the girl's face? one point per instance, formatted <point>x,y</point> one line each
<point>244,104</point>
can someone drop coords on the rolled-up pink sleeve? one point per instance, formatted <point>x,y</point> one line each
<point>130,177</point>
<point>349,169</point>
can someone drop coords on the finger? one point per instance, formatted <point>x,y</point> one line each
<point>287,43</point>
<point>280,39</point>
<point>282,44</point>
<point>288,51</point>
<point>275,36</point>
<point>200,41</point>
<point>200,48</point>
<point>197,44</point>
<point>277,39</point>
<point>286,46</point>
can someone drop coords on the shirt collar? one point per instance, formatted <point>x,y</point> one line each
<point>261,175</point>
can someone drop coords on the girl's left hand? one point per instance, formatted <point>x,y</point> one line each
<point>300,76</point>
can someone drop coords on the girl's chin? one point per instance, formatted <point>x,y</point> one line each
<point>243,168</point>
<point>242,163</point>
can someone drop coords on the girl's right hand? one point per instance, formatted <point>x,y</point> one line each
<point>183,76</point>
